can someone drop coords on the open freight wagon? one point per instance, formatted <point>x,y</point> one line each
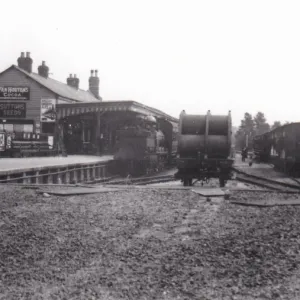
<point>204,148</point>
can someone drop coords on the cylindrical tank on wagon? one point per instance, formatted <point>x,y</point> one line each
<point>192,124</point>
<point>209,135</point>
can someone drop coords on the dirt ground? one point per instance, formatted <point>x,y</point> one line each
<point>147,244</point>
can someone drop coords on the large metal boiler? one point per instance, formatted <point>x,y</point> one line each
<point>204,148</point>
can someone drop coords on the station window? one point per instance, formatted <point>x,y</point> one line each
<point>9,127</point>
<point>28,128</point>
<point>18,127</point>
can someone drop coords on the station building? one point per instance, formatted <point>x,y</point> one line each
<point>28,100</point>
<point>75,120</point>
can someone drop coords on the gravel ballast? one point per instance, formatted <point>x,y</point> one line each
<point>147,244</point>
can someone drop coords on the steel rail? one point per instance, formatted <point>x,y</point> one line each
<point>266,182</point>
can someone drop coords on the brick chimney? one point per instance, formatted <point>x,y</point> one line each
<point>94,84</point>
<point>21,61</point>
<point>28,63</point>
<point>76,82</point>
<point>73,81</point>
<point>70,80</point>
<point>43,70</point>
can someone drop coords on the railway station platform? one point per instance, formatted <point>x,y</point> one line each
<point>70,169</point>
<point>261,170</point>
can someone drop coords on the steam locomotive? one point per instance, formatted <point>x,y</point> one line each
<point>145,147</point>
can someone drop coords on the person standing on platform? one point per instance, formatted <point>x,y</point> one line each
<point>244,153</point>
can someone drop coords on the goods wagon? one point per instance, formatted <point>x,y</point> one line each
<point>145,147</point>
<point>281,147</point>
<point>204,148</point>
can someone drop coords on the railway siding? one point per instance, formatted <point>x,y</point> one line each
<point>265,175</point>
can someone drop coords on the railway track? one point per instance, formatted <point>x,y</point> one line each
<point>269,185</point>
<point>142,180</point>
<point>266,182</point>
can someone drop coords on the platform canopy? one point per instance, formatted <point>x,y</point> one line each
<point>72,109</point>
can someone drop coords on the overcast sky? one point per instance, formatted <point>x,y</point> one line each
<point>172,55</point>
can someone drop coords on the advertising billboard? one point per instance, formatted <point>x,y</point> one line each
<point>14,93</point>
<point>48,110</point>
<point>12,110</point>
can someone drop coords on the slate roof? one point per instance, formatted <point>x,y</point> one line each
<point>59,88</point>
<point>90,101</point>
<point>66,109</point>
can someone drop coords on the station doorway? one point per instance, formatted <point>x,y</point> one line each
<point>79,134</point>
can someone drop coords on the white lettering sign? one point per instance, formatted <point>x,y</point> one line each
<point>14,92</point>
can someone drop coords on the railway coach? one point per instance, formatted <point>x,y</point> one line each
<point>280,147</point>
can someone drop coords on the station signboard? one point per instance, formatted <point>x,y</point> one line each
<point>14,93</point>
<point>13,110</point>
<point>48,110</point>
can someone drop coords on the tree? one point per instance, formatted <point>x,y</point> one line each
<point>276,125</point>
<point>245,132</point>
<point>261,125</point>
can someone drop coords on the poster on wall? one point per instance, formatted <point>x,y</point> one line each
<point>14,92</point>
<point>50,142</point>
<point>8,141</point>
<point>38,127</point>
<point>48,110</point>
<point>12,110</point>
<point>2,141</point>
